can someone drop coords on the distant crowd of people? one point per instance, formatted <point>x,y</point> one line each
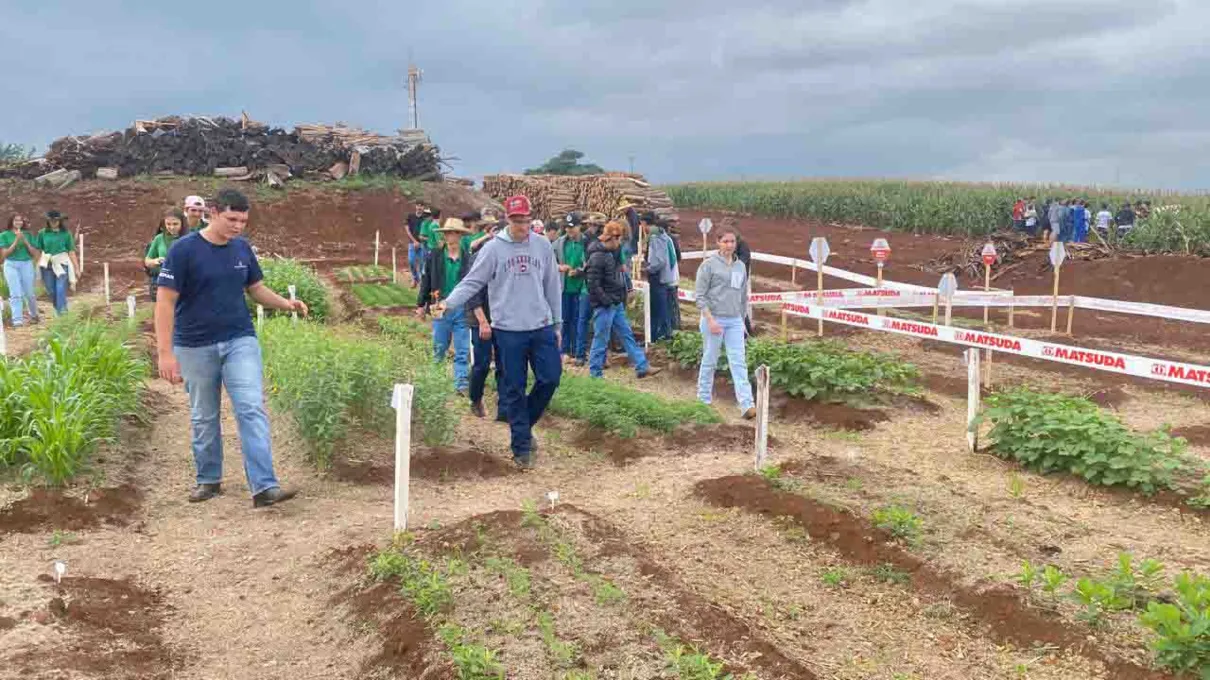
<point>50,252</point>
<point>1069,219</point>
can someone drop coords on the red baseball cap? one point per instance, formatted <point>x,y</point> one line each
<point>517,205</point>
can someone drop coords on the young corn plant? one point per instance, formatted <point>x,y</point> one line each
<point>472,661</point>
<point>622,411</point>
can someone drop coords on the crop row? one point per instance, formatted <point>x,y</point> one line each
<point>384,295</point>
<point>363,273</point>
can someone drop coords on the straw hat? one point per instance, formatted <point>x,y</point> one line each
<point>453,225</point>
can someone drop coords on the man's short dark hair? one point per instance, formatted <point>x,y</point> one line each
<point>230,199</point>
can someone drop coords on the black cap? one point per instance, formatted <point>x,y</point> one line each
<point>55,215</point>
<point>574,219</point>
<point>648,217</point>
<point>473,216</point>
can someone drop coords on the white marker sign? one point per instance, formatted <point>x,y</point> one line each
<point>705,226</point>
<point>948,286</point>
<point>989,254</point>
<point>819,250</point>
<point>1058,253</point>
<point>881,250</point>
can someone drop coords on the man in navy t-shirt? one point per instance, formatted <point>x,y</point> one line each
<point>204,335</point>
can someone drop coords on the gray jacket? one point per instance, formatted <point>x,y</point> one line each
<point>522,279</point>
<point>661,257</point>
<point>722,288</point>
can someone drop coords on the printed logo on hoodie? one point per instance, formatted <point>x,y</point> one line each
<point>521,264</point>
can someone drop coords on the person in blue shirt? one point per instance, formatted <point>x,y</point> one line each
<point>1079,221</point>
<point>204,336</point>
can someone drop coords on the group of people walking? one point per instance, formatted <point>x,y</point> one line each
<point>51,251</point>
<point>1069,219</point>
<point>527,294</point>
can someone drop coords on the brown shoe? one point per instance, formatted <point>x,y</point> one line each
<point>750,413</point>
<point>204,492</point>
<point>477,409</point>
<point>648,373</point>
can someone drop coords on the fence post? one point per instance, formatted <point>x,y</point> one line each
<point>972,397</point>
<point>1071,312</point>
<point>375,249</point>
<point>762,416</point>
<point>293,290</point>
<point>105,268</point>
<point>647,315</point>
<point>130,302</point>
<point>401,400</point>
<point>80,247</point>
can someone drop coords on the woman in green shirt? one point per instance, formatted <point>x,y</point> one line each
<point>165,235</point>
<point>18,248</point>
<point>57,242</point>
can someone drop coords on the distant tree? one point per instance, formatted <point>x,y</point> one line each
<point>566,163</point>
<point>10,153</point>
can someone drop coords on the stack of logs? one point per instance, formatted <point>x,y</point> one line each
<point>238,149</point>
<point>1013,250</point>
<point>553,196</point>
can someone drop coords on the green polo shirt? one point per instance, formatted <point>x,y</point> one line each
<point>21,254</point>
<point>573,256</point>
<point>56,241</point>
<point>452,268</point>
<point>160,245</point>
<point>430,235</point>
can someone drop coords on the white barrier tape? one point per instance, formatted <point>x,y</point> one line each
<point>1143,309</point>
<point>1112,362</point>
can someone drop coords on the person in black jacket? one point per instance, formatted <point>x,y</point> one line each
<point>443,269</point>
<point>743,253</point>
<point>479,318</point>
<point>607,298</point>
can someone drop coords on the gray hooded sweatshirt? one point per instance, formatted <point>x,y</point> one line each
<point>661,257</point>
<point>522,282</point>
<point>722,288</point>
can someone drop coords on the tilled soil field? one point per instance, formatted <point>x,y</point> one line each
<point>661,556</point>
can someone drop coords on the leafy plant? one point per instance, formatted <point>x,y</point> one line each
<point>516,576</point>
<point>1182,628</point>
<point>384,295</point>
<point>1096,598</point>
<point>887,573</point>
<point>281,273</point>
<point>899,521</point>
<point>566,162</point>
<point>564,654</point>
<point>419,581</point>
<point>1054,432</point>
<point>835,577</point>
<point>1028,576</point>
<point>827,371</point>
<point>689,663</point>
<point>1052,580</point>
<point>363,273</point>
<point>60,538</point>
<point>621,410</point>
<point>472,661</point>
<point>1016,486</point>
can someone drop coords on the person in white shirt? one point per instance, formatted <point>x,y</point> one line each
<point>1104,219</point>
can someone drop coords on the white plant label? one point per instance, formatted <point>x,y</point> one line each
<point>948,286</point>
<point>1058,253</point>
<point>59,569</point>
<point>819,250</point>
<point>553,497</point>
<point>397,397</point>
<point>705,226</point>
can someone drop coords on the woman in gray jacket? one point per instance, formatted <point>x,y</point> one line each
<point>722,297</point>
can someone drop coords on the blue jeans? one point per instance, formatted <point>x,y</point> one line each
<point>19,276</point>
<point>485,350</point>
<point>518,351</point>
<point>661,314</point>
<point>415,260</point>
<point>608,320</point>
<point>575,324</point>
<point>732,338</point>
<point>56,288</point>
<point>451,328</point>
<point>237,365</point>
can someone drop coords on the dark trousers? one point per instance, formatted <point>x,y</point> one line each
<point>485,351</point>
<point>674,309</point>
<point>517,353</point>
<point>661,320</point>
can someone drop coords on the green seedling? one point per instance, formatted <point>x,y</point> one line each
<point>899,521</point>
<point>887,573</point>
<point>472,661</point>
<point>516,576</point>
<point>1052,580</point>
<point>1095,597</point>
<point>1028,576</point>
<point>563,654</point>
<point>835,577</point>
<point>1016,486</point>
<point>59,538</point>
<point>1182,628</point>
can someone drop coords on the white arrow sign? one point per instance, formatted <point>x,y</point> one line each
<point>948,286</point>
<point>1058,253</point>
<point>819,250</point>
<point>705,226</point>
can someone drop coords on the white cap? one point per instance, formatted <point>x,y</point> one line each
<point>194,202</point>
<point>538,227</point>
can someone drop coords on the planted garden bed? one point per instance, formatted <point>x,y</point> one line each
<point>365,273</point>
<point>384,295</point>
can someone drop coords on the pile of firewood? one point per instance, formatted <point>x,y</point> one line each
<point>1013,250</point>
<point>238,149</point>
<point>553,196</point>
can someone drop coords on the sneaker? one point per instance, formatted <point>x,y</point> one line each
<point>750,413</point>
<point>525,464</point>
<point>477,409</point>
<point>648,373</point>
<point>204,492</point>
<point>272,496</point>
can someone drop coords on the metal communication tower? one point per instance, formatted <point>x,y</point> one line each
<point>415,75</point>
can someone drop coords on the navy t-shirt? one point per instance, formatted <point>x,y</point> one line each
<point>211,280</point>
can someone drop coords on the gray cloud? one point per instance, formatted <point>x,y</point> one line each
<point>1061,90</point>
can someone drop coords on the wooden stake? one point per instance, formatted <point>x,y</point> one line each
<point>987,287</point>
<point>819,299</point>
<point>785,333</point>
<point>949,311</point>
<point>762,416</point>
<point>375,250</point>
<point>936,299</point>
<point>80,247</point>
<point>878,284</point>
<point>972,398</point>
<point>130,302</point>
<point>1071,312</point>
<point>394,267</point>
<point>105,269</point>
<point>1054,307</point>
<point>1011,310</point>
<point>988,379</point>
<point>293,290</point>
<point>402,401</point>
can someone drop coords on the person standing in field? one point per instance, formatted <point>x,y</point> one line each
<point>1104,220</point>
<point>1058,209</point>
<point>1124,220</point>
<point>662,276</point>
<point>669,225</point>
<point>167,233</point>
<point>722,297</point>
<point>522,281</point>
<point>416,253</point>
<point>18,250</point>
<point>479,317</point>
<point>205,337</point>
<point>59,264</point>
<point>445,267</point>
<point>1079,221</point>
<point>195,211</point>
<point>429,235</point>
<point>607,297</point>
<point>1031,217</point>
<point>1019,214</point>
<point>571,255</point>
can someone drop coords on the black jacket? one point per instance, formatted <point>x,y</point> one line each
<point>744,254</point>
<point>605,287</point>
<point>478,299</point>
<point>434,275</point>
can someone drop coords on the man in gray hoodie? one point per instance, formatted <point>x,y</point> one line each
<point>523,291</point>
<point>662,275</point>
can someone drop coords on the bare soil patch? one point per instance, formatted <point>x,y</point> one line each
<point>441,464</point>
<point>44,509</point>
<point>834,415</point>
<point>1198,435</point>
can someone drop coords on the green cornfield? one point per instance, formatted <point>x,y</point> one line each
<point>952,208</point>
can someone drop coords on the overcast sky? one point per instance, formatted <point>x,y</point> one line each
<point>1080,91</point>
